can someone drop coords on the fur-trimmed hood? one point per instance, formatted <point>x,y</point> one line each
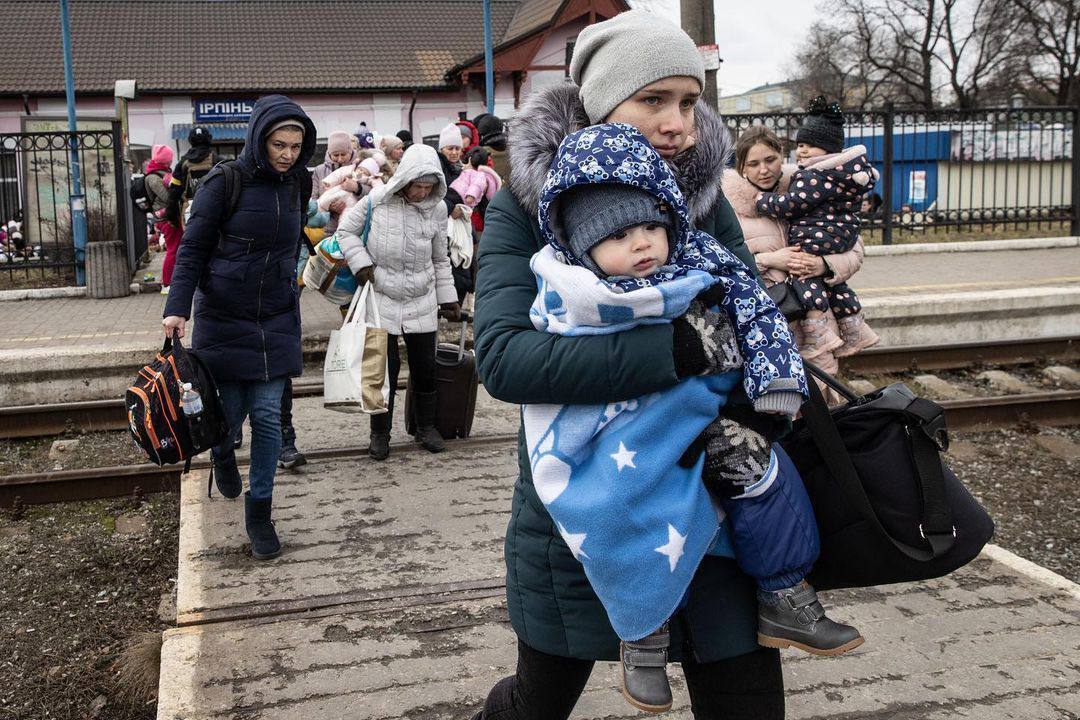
<point>742,194</point>
<point>552,114</point>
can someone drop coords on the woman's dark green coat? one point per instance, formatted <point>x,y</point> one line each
<point>552,607</point>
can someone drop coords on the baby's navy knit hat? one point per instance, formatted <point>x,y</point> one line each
<point>823,126</point>
<point>591,213</point>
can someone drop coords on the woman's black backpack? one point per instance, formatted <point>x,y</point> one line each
<point>155,410</point>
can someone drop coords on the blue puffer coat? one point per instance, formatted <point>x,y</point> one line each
<point>241,270</point>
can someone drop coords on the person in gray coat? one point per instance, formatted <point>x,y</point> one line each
<point>403,254</point>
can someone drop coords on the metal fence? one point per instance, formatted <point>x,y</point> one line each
<point>35,191</point>
<point>961,173</point>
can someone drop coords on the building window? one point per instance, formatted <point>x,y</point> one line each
<point>742,104</point>
<point>774,100</point>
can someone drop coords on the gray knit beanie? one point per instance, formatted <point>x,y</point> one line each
<point>590,213</point>
<point>432,178</point>
<point>616,58</point>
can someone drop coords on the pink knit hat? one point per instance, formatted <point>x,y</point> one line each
<point>338,141</point>
<point>372,166</point>
<point>161,154</point>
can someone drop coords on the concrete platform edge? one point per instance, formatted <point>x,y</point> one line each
<point>1032,570</point>
<point>974,246</point>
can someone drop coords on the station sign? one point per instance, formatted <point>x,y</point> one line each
<point>223,110</point>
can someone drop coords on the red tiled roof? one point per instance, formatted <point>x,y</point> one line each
<point>243,45</point>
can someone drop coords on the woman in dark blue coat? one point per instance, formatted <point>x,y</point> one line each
<point>240,269</point>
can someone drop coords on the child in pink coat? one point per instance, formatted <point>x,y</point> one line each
<point>474,184</point>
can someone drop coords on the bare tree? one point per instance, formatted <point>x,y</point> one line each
<point>885,48</point>
<point>978,40</point>
<point>1050,31</point>
<point>830,63</point>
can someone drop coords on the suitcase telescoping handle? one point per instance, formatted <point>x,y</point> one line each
<point>461,342</point>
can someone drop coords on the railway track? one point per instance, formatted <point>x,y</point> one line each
<point>1044,408</point>
<point>96,415</point>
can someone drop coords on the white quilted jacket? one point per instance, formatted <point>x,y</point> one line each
<point>407,245</point>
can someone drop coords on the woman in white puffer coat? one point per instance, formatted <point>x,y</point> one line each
<point>404,256</point>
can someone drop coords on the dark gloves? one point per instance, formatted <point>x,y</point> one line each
<point>736,446</point>
<point>687,349</point>
<point>702,340</point>
<point>365,275</point>
<point>451,311</point>
<point>172,212</point>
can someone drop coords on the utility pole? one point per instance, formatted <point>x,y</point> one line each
<point>489,62</point>
<point>699,21</point>
<point>78,200</point>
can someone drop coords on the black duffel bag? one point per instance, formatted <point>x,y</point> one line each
<point>888,509</point>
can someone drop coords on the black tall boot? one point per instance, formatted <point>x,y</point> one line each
<point>426,434</point>
<point>379,443</point>
<point>226,473</point>
<point>260,528</point>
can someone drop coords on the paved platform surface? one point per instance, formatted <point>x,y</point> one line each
<point>136,319</point>
<point>388,603</point>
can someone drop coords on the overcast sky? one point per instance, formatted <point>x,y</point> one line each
<point>757,39</point>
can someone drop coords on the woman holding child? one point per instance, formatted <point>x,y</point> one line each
<point>759,168</point>
<point>638,70</point>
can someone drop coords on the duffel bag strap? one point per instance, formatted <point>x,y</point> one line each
<point>927,467</point>
<point>928,437</point>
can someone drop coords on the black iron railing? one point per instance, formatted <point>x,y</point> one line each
<point>998,172</point>
<point>35,191</point>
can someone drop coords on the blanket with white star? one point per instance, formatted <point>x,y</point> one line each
<point>609,474</point>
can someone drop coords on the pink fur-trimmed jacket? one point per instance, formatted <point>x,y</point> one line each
<point>477,184</point>
<point>764,234</point>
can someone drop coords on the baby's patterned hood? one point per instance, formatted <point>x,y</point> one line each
<point>619,153</point>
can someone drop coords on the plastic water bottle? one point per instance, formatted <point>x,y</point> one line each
<point>192,402</point>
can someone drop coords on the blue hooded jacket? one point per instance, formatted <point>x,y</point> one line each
<point>241,270</point>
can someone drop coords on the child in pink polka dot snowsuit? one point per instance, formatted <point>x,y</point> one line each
<point>821,209</point>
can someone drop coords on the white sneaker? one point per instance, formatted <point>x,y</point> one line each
<point>164,289</point>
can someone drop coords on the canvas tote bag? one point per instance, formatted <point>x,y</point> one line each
<point>354,375</point>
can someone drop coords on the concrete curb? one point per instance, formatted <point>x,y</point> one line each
<point>1031,570</point>
<point>69,292</point>
<point>975,246</point>
<point>41,293</point>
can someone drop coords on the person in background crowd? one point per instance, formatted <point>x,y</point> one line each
<point>339,153</point>
<point>641,70</point>
<point>365,139</point>
<point>871,206</point>
<point>759,168</point>
<point>405,258</point>
<point>450,144</point>
<point>393,148</point>
<point>406,138</point>
<point>493,136</point>
<point>470,137</point>
<point>241,272</point>
<point>450,153</point>
<point>158,178</point>
<point>189,172</point>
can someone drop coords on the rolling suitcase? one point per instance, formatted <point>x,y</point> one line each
<point>455,382</point>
